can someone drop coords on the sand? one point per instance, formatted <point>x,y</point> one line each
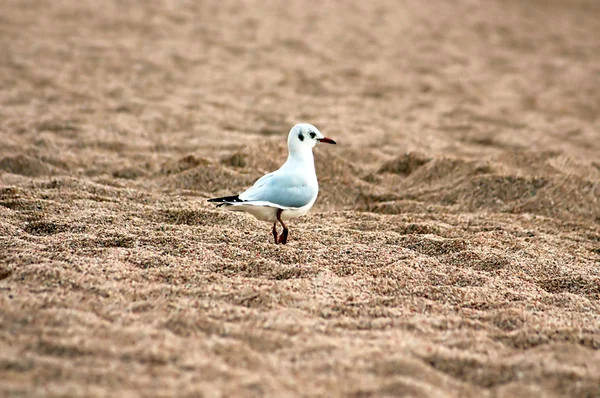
<point>454,250</point>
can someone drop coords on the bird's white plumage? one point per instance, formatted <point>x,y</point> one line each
<point>293,188</point>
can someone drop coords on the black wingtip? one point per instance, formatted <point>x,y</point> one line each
<point>234,198</point>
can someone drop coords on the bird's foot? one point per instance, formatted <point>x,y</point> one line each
<point>283,237</point>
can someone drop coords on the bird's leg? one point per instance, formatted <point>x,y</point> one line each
<point>275,232</point>
<point>284,234</point>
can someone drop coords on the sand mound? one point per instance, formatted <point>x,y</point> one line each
<point>340,182</point>
<point>185,163</point>
<point>209,178</point>
<point>25,165</point>
<point>405,164</point>
<point>501,184</point>
<point>260,158</point>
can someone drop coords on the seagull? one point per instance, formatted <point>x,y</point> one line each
<point>288,192</point>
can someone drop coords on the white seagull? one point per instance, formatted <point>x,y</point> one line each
<point>288,192</point>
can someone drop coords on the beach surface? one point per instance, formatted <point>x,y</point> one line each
<point>454,249</point>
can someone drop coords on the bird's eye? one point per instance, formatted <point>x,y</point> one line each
<point>312,134</point>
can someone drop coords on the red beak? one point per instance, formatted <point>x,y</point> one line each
<point>327,140</point>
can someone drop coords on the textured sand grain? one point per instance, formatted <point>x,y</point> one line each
<point>454,249</point>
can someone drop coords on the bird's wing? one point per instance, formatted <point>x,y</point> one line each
<point>289,190</point>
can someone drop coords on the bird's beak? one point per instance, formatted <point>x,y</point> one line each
<point>327,140</point>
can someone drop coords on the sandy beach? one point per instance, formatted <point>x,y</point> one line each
<point>454,249</point>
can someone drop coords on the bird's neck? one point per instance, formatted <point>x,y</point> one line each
<point>300,159</point>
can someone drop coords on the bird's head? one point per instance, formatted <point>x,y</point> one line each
<point>305,136</point>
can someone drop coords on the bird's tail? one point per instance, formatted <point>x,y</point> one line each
<point>226,200</point>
